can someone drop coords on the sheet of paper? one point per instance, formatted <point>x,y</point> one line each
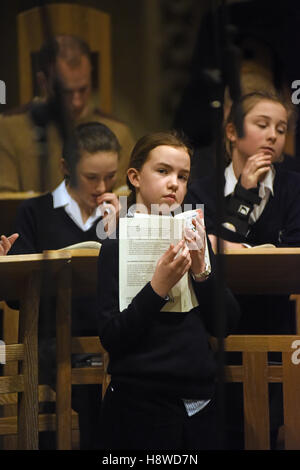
<point>143,240</point>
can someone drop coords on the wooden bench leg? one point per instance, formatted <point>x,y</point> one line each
<point>63,361</point>
<point>28,431</point>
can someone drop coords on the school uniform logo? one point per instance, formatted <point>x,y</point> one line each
<point>243,210</point>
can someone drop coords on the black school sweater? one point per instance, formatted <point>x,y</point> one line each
<point>154,351</point>
<point>278,224</point>
<point>41,227</point>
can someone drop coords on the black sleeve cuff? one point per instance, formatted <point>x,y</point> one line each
<point>148,301</point>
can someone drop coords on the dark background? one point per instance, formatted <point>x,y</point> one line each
<point>159,51</point>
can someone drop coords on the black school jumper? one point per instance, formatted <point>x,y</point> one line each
<point>156,359</point>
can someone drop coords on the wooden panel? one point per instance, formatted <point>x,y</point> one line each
<point>21,278</point>
<point>10,384</point>
<point>89,24</point>
<point>84,272</point>
<point>14,269</point>
<point>63,360</point>
<point>87,375</point>
<point>260,342</point>
<point>291,394</point>
<point>257,374</point>
<point>236,374</point>
<point>28,403</point>
<point>10,336</point>
<point>87,344</point>
<point>14,352</point>
<point>84,269</point>
<point>256,402</point>
<point>46,393</point>
<point>8,425</point>
<point>263,271</point>
<point>275,374</point>
<point>47,422</point>
<point>10,327</point>
<point>8,399</point>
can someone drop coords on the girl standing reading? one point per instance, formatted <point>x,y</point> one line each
<point>162,368</point>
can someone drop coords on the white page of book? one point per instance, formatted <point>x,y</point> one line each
<point>143,240</point>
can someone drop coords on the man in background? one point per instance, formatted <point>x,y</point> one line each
<point>31,137</point>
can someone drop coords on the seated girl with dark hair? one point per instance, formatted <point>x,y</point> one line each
<point>70,213</point>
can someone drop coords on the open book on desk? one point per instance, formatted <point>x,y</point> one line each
<point>88,248</point>
<point>89,245</point>
<point>265,245</point>
<point>143,240</point>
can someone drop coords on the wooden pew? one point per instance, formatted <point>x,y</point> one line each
<point>255,374</point>
<point>21,280</point>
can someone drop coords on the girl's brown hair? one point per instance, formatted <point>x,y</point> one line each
<point>90,137</point>
<point>242,107</point>
<point>148,142</point>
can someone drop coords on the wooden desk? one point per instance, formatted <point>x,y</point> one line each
<point>21,277</point>
<point>79,280</point>
<point>263,271</point>
<point>84,271</point>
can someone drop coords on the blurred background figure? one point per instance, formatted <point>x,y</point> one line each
<point>30,137</point>
<point>264,34</point>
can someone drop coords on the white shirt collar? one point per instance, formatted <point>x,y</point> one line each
<point>60,195</point>
<point>266,185</point>
<point>61,198</point>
